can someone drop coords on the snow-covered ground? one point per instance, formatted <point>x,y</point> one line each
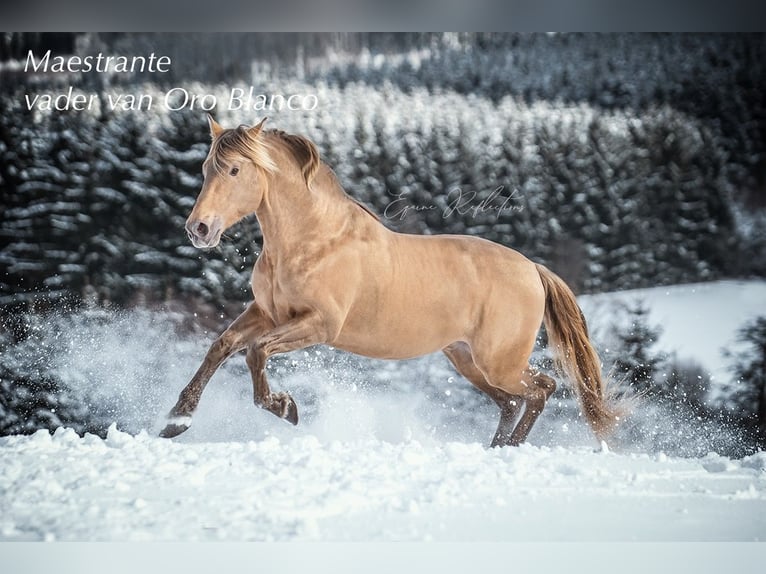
<point>143,488</point>
<point>384,451</point>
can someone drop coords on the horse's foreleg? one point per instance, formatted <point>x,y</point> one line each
<point>298,333</point>
<point>295,334</point>
<point>280,404</point>
<point>179,417</point>
<point>244,329</point>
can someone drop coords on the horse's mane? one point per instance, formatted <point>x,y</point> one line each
<point>303,150</point>
<point>239,141</point>
<point>307,155</point>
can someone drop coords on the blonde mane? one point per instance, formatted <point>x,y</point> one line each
<point>303,151</point>
<point>241,142</point>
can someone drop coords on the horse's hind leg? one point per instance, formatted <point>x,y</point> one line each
<point>539,389</point>
<point>460,356</point>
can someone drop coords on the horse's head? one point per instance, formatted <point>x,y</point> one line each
<point>235,178</point>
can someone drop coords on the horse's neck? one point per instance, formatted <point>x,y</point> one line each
<point>292,216</point>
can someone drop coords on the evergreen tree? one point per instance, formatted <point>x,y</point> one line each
<point>637,363</point>
<point>48,210</point>
<point>31,397</point>
<point>749,369</point>
<point>619,189</point>
<point>688,383</point>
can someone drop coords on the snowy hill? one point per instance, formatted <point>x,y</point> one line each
<point>698,320</point>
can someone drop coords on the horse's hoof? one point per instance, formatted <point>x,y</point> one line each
<point>291,411</point>
<point>176,426</point>
<point>282,405</point>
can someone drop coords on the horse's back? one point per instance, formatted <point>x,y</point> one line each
<point>468,264</point>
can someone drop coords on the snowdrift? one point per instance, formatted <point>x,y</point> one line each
<point>66,487</point>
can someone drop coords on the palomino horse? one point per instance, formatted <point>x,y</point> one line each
<point>331,273</point>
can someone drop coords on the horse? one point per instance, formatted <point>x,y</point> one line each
<point>331,273</point>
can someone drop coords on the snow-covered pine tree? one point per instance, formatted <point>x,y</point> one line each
<point>749,368</point>
<point>50,209</point>
<point>31,396</point>
<point>637,363</point>
<point>688,383</point>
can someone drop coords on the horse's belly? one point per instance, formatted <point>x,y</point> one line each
<point>381,345</point>
<point>406,329</point>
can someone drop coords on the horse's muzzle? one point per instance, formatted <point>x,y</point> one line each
<point>204,234</point>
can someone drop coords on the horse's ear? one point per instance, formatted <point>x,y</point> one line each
<point>215,127</point>
<point>256,129</point>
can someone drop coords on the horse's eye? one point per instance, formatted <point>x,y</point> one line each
<point>234,171</point>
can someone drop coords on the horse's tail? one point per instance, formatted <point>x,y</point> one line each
<point>575,355</point>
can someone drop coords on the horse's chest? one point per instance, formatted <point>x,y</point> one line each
<point>274,293</point>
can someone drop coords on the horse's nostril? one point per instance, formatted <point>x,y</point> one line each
<point>202,230</point>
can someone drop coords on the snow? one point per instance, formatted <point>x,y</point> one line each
<point>384,450</point>
<point>124,487</point>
